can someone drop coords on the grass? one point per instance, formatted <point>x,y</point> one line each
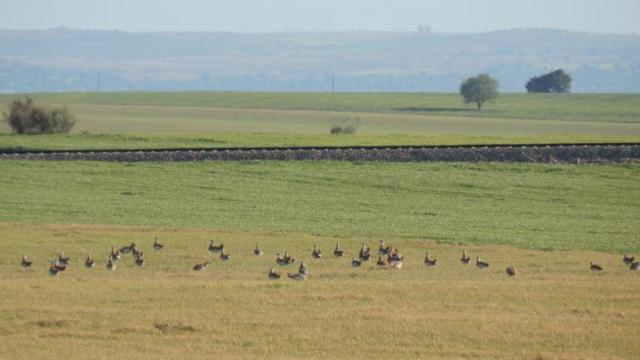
<point>88,141</point>
<point>555,309</point>
<point>566,107</point>
<point>127,120</point>
<point>570,207</point>
<point>547,220</point>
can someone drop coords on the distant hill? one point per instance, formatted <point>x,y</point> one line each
<point>70,60</point>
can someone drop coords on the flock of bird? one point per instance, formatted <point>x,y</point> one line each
<point>387,257</point>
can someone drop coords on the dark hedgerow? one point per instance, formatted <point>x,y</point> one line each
<point>25,117</point>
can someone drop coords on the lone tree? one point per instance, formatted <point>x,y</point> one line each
<point>479,90</point>
<point>25,117</point>
<point>556,81</point>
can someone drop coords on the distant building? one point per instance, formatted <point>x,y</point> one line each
<point>424,29</point>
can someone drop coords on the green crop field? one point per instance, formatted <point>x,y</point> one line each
<point>143,120</point>
<point>532,206</point>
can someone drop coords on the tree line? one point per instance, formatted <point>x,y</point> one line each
<point>483,88</point>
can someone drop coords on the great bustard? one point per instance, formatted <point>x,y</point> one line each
<point>297,276</point>
<point>129,249</point>
<point>316,253</point>
<point>89,263</point>
<point>215,249</point>
<point>224,256</point>
<point>53,269</point>
<point>395,259</point>
<point>273,274</point>
<point>257,251</point>
<point>383,250</point>
<point>381,261</point>
<point>356,262</point>
<point>481,264</point>
<point>25,263</point>
<point>595,267</point>
<point>511,271</point>
<point>628,259</point>
<point>115,254</point>
<point>157,245</point>
<point>303,268</point>
<point>635,266</point>
<point>465,258</point>
<point>140,259</point>
<point>111,265</point>
<point>200,267</point>
<point>365,253</point>
<point>429,262</point>
<point>337,252</point>
<point>62,259</point>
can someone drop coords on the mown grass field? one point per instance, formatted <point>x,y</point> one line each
<point>555,309</point>
<point>142,120</point>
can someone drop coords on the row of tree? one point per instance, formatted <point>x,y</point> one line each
<point>482,88</point>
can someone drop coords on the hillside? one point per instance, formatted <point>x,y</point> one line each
<point>70,60</point>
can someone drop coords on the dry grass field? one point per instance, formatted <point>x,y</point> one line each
<point>555,308</point>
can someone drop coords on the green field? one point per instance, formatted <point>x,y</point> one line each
<point>530,206</point>
<point>142,120</point>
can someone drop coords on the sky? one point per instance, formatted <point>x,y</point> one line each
<point>254,16</point>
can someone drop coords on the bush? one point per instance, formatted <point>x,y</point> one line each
<point>347,125</point>
<point>25,117</point>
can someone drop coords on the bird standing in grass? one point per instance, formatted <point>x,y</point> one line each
<point>273,274</point>
<point>316,253</point>
<point>595,267</point>
<point>297,276</point>
<point>257,251</point>
<point>25,263</point>
<point>511,271</point>
<point>89,263</point>
<point>635,266</point>
<point>356,262</point>
<point>139,259</point>
<point>429,262</point>
<point>157,245</point>
<point>384,250</point>
<point>215,249</point>
<point>115,254</point>
<point>111,265</point>
<point>465,259</point>
<point>129,249</point>
<point>59,266</point>
<point>200,267</point>
<point>53,269</point>
<point>62,259</point>
<point>628,259</point>
<point>381,261</point>
<point>481,264</point>
<point>224,256</point>
<point>365,253</point>
<point>395,259</point>
<point>303,268</point>
<point>337,252</point>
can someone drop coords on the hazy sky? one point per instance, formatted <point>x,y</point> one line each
<point>611,16</point>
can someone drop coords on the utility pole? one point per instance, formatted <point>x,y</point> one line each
<point>333,83</point>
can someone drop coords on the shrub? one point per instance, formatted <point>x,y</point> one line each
<point>347,125</point>
<point>25,117</point>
